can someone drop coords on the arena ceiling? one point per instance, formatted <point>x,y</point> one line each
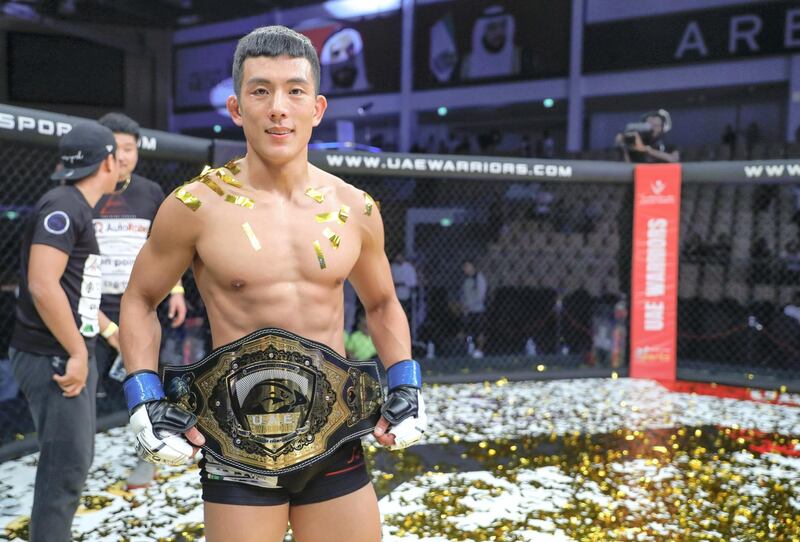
<point>147,13</point>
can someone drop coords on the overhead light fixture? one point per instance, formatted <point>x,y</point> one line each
<point>548,102</point>
<point>442,111</point>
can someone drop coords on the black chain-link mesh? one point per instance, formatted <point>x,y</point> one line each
<point>548,295</point>
<point>739,296</point>
<point>24,177</point>
<point>554,258</point>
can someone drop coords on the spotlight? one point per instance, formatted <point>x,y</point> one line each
<point>548,102</point>
<point>442,111</point>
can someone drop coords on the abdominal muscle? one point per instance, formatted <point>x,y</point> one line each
<point>310,310</point>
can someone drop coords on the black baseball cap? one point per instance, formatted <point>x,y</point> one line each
<point>83,149</point>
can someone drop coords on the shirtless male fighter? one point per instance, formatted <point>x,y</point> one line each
<point>271,240</point>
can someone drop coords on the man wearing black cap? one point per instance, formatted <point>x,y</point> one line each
<point>57,319</point>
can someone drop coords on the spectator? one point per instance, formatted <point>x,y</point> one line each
<point>796,194</point>
<point>463,146</point>
<point>358,344</point>
<point>721,249</point>
<point>122,223</point>
<point>404,275</point>
<point>790,257</point>
<point>752,136</point>
<point>525,149</point>
<point>792,310</point>
<point>729,138</point>
<point>473,306</point>
<point>650,147</point>
<point>763,195</point>
<point>693,249</point>
<point>592,213</point>
<point>761,264</point>
<point>546,147</point>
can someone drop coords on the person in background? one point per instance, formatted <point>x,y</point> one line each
<point>473,306</point>
<point>58,318</point>
<point>358,344</point>
<point>404,275</point>
<point>122,222</point>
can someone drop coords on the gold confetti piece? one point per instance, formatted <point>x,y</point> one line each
<point>368,204</point>
<point>340,217</point>
<point>315,194</point>
<point>248,230</point>
<point>241,201</point>
<point>326,217</point>
<point>232,166</point>
<point>320,255</point>
<point>332,237</point>
<point>18,528</point>
<point>344,214</point>
<point>227,179</point>
<point>118,489</point>
<point>92,503</point>
<point>206,169</point>
<point>209,182</point>
<point>188,199</point>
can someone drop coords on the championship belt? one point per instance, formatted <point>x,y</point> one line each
<point>273,402</point>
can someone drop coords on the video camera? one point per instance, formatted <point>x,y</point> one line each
<point>645,129</point>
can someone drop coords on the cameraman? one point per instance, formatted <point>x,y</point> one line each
<point>642,142</point>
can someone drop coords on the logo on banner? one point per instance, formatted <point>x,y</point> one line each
<point>657,195</point>
<point>658,187</point>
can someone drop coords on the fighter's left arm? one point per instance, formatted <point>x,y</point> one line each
<point>403,419</point>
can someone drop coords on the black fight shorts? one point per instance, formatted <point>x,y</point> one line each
<point>341,474</point>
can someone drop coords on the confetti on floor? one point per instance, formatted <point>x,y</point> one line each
<point>581,460</point>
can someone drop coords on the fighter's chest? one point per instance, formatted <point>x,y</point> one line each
<point>280,243</point>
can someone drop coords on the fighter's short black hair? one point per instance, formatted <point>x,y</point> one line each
<point>120,123</point>
<point>274,41</point>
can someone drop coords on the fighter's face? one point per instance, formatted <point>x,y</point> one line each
<point>278,107</point>
<point>127,154</point>
<point>494,35</point>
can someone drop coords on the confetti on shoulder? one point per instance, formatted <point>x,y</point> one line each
<point>209,182</point>
<point>241,201</point>
<point>228,179</point>
<point>233,166</point>
<point>315,194</point>
<point>369,203</point>
<point>188,199</point>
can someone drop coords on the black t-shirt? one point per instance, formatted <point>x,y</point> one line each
<point>645,158</point>
<point>62,218</point>
<point>122,223</point>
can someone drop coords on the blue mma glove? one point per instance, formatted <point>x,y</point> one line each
<point>404,408</point>
<point>158,424</point>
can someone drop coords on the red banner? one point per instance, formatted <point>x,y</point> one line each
<point>654,273</point>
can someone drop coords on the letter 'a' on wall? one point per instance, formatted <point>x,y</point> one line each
<point>654,271</point>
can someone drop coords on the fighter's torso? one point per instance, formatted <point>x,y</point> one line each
<point>278,264</point>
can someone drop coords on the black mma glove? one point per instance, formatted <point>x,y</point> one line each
<point>158,424</point>
<point>404,408</point>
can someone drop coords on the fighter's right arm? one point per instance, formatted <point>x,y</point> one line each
<point>159,425</point>
<point>165,256</point>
